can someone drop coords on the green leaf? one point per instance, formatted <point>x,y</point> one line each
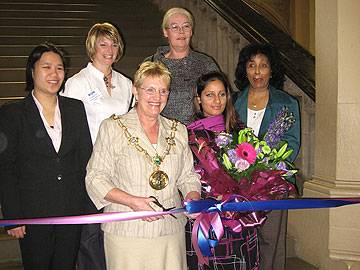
<point>242,136</point>
<point>227,162</point>
<point>281,150</point>
<point>287,154</point>
<point>266,149</point>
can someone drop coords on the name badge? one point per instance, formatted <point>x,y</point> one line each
<point>94,95</point>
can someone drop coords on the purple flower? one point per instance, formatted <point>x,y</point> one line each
<point>223,139</point>
<point>277,128</point>
<point>232,156</point>
<point>281,166</point>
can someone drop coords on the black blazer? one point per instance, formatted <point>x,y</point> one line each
<point>35,180</point>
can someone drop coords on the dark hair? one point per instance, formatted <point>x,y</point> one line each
<point>231,118</point>
<point>277,71</point>
<point>34,56</point>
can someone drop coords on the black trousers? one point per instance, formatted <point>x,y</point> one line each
<point>272,238</point>
<point>50,247</point>
<point>91,254</point>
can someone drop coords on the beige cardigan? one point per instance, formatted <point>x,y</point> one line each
<point>116,164</point>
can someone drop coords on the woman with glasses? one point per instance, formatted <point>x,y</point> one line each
<point>184,64</point>
<point>140,162</point>
<point>104,92</point>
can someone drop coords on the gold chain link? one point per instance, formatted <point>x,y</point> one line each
<point>134,141</point>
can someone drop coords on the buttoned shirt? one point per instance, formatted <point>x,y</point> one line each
<point>117,164</point>
<point>88,86</point>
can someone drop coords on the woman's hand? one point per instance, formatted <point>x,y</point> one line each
<point>143,204</point>
<point>18,232</point>
<point>136,203</point>
<point>192,196</point>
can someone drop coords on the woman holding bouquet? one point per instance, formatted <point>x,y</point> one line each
<point>216,113</point>
<point>260,78</point>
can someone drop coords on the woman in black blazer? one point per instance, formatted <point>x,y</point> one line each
<point>44,148</point>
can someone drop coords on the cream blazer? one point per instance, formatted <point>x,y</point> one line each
<point>116,164</point>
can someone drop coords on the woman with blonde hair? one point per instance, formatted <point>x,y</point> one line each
<point>142,159</point>
<point>184,64</point>
<point>104,92</point>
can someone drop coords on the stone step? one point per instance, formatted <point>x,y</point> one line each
<point>46,14</point>
<point>20,31</point>
<point>16,21</point>
<point>70,40</point>
<point>76,2</point>
<point>25,49</point>
<point>88,14</point>
<point>126,66</point>
<point>75,49</point>
<point>75,61</point>
<point>12,89</point>
<point>7,5</point>
<point>25,24</point>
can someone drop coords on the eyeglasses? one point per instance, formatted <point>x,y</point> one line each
<point>186,27</point>
<point>152,91</point>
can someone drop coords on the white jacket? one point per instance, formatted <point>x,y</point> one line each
<point>88,86</point>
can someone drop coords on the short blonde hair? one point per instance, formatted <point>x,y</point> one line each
<point>176,10</point>
<point>151,69</point>
<point>103,30</point>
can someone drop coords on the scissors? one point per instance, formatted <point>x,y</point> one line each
<point>156,202</point>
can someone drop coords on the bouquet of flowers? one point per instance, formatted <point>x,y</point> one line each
<point>242,164</point>
<point>239,167</point>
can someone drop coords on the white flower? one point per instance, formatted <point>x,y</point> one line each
<point>242,165</point>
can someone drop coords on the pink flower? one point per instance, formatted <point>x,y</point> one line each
<point>242,164</point>
<point>246,151</point>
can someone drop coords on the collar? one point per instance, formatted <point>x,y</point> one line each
<point>40,107</point>
<point>163,50</point>
<point>95,71</point>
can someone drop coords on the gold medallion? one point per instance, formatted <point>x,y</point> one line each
<point>158,180</point>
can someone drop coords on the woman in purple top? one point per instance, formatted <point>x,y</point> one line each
<point>216,113</point>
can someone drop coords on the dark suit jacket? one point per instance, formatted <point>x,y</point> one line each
<point>277,100</point>
<point>35,180</point>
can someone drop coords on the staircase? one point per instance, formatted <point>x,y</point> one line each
<point>25,24</point>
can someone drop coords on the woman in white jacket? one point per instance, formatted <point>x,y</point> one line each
<point>104,92</point>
